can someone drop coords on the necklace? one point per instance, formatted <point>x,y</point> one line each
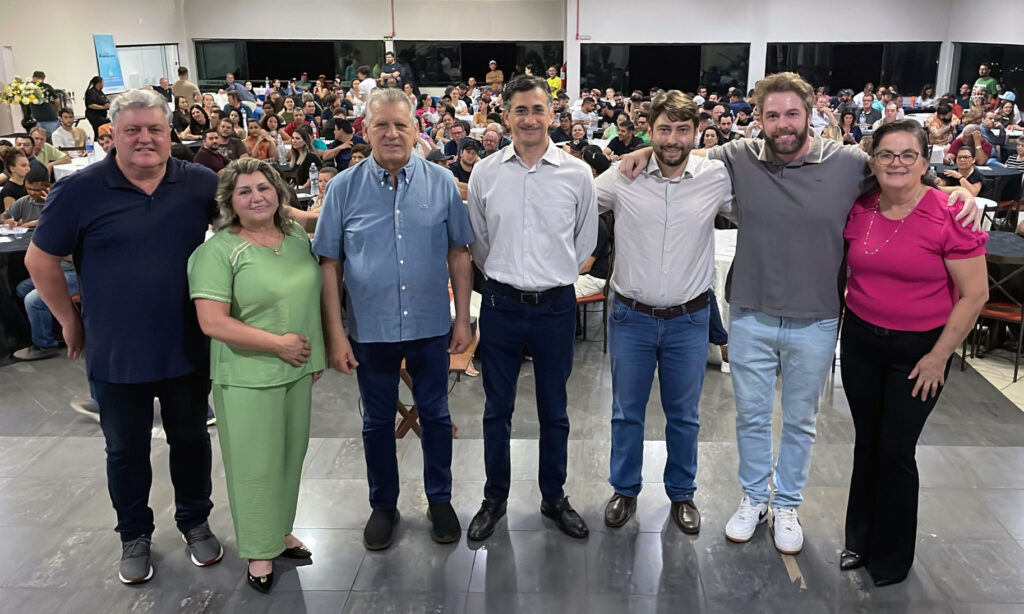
<point>250,238</point>
<point>874,213</point>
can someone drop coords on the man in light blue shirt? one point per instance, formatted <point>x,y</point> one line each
<point>394,229</point>
<point>235,86</point>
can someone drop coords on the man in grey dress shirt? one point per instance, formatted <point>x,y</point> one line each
<point>534,217</point>
<point>665,248</point>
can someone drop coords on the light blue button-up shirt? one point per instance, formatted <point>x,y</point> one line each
<point>393,242</point>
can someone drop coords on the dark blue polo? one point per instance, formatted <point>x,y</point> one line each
<point>131,250</point>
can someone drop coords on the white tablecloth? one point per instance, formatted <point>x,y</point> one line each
<point>63,170</point>
<point>725,250</point>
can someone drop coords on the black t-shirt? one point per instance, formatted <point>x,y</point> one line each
<point>166,93</point>
<point>619,148</point>
<point>602,252</point>
<point>180,122</point>
<point>974,177</point>
<point>559,136</point>
<point>45,111</point>
<point>302,169</point>
<point>94,96</point>
<point>12,190</point>
<point>460,173</point>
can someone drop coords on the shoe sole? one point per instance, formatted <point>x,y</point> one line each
<point>195,562</point>
<point>739,540</point>
<point>443,539</point>
<point>127,581</point>
<point>85,412</point>
<point>387,544</point>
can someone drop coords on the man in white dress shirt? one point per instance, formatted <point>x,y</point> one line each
<point>534,216</point>
<point>665,246</point>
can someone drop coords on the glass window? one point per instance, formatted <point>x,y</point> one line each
<point>350,55</point>
<point>1005,61</point>
<point>539,55</point>
<point>214,59</point>
<point>432,63</point>
<point>908,66</point>
<point>684,67</point>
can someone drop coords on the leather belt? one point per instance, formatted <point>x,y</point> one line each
<point>667,313</point>
<point>527,297</point>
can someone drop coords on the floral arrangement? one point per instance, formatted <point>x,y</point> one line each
<point>20,91</point>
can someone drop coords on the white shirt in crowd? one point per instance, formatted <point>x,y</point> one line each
<point>665,229</point>
<point>62,137</point>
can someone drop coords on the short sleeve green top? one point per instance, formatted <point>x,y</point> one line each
<point>273,289</point>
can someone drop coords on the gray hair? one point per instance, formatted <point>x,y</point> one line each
<point>226,188</point>
<point>388,95</point>
<point>139,99</point>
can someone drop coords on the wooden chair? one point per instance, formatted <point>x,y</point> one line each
<point>998,312</point>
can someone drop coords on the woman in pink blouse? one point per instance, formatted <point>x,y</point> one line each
<point>917,282</point>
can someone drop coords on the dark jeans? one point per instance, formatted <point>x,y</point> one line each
<point>126,417</point>
<point>426,360</point>
<point>547,330</point>
<point>716,330</point>
<point>881,515</point>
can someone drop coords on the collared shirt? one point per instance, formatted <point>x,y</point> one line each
<point>664,229</point>
<point>791,217</point>
<point>534,227</point>
<point>393,242</point>
<point>131,250</point>
<point>243,93</point>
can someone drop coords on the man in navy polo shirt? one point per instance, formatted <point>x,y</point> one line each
<point>130,223</point>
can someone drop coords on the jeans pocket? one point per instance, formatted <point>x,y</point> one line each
<point>619,312</point>
<point>828,324</point>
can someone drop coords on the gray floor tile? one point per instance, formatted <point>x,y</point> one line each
<point>544,561</point>
<point>387,602</point>
<point>975,571</point>
<point>414,563</point>
<point>1008,507</point>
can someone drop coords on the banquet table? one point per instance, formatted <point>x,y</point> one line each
<point>63,170</point>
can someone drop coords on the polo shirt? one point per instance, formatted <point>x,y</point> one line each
<point>619,148</point>
<point>791,216</point>
<point>185,88</point>
<point>131,250</point>
<point>460,173</point>
<point>213,160</point>
<point>49,153</point>
<point>393,243</point>
<point>25,209</point>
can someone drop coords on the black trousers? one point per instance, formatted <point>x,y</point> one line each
<point>881,514</point>
<point>126,417</point>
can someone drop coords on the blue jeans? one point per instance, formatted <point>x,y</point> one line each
<point>426,360</point>
<point>40,320</point>
<point>639,344</point>
<point>761,347</point>
<point>547,330</point>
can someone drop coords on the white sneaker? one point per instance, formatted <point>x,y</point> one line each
<point>741,526</point>
<point>789,535</point>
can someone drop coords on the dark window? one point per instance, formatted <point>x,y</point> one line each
<point>1005,61</point>
<point>257,60</point>
<point>214,59</point>
<point>684,67</point>
<point>908,66</point>
<point>431,63</point>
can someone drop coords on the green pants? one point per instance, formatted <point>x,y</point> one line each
<point>264,433</point>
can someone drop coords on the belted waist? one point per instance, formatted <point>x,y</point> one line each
<point>667,313</point>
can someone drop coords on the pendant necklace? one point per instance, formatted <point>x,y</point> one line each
<point>251,239</point>
<point>875,212</point>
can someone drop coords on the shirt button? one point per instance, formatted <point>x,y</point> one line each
<point>405,313</point>
<point>397,211</point>
<point>401,262</point>
<point>399,236</point>
<point>664,272</point>
<point>403,287</point>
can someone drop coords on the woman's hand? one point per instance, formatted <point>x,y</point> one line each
<point>294,349</point>
<point>953,175</point>
<point>930,372</point>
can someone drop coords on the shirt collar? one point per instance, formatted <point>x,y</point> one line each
<point>114,178</point>
<point>815,153</point>
<point>653,170</point>
<point>382,176</point>
<point>550,154</point>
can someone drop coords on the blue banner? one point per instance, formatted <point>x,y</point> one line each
<point>108,63</point>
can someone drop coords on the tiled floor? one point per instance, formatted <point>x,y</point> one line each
<point>60,553</point>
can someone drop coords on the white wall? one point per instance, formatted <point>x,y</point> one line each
<point>58,40</point>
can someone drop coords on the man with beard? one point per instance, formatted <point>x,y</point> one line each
<point>792,194</point>
<point>660,313</point>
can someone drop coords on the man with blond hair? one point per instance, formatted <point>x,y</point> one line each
<point>792,194</point>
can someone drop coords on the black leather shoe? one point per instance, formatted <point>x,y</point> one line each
<point>261,583</point>
<point>380,529</point>
<point>568,521</point>
<point>686,516</point>
<point>619,510</point>
<point>486,519</point>
<point>445,527</point>
<point>297,552</point>
<point>850,560</point>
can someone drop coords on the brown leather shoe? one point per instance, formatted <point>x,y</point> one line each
<point>686,516</point>
<point>619,510</point>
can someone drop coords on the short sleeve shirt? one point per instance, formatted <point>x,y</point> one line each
<point>278,292</point>
<point>789,249</point>
<point>131,251</point>
<point>49,153</point>
<point>393,243</point>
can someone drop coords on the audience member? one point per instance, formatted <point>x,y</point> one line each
<point>96,104</point>
<point>17,168</point>
<point>710,137</point>
<point>495,79</point>
<point>563,131</point>
<point>942,125</point>
<point>971,136</point>
<point>67,133</point>
<point>258,144</point>
<point>578,140</point>
<point>235,104</point>
<point>198,123</point>
<point>470,151</point>
<point>209,154</point>
<point>234,86</point>
<point>301,156</point>
<point>339,151</point>
<point>625,142</point>
<point>230,146</point>
<point>359,153</point>
<point>965,175</point>
<point>45,113</point>
<point>185,88</point>
<point>46,153</point>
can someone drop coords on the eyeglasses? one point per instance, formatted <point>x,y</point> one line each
<point>888,158</point>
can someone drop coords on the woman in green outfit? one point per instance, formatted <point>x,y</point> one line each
<point>256,286</point>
